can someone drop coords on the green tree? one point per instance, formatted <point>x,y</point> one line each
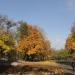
<point>62,53</point>
<point>23,29</point>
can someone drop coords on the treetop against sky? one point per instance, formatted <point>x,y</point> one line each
<point>54,16</point>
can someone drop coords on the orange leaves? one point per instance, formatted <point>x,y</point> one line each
<point>34,43</point>
<point>70,43</point>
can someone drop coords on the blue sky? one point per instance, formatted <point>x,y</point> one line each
<point>55,17</point>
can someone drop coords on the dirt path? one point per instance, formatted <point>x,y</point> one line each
<point>50,66</point>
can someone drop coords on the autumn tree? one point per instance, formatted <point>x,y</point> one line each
<point>70,42</point>
<point>34,45</point>
<point>7,43</point>
<point>26,40</point>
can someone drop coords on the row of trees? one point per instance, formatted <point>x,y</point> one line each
<point>19,40</point>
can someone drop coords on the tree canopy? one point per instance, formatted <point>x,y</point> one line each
<point>29,40</point>
<point>70,41</point>
<point>34,43</point>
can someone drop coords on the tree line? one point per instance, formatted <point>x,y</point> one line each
<point>20,40</point>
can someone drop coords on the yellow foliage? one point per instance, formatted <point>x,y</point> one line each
<point>6,42</point>
<point>70,43</point>
<point>34,43</point>
<point>1,43</point>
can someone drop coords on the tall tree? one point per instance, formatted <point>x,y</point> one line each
<point>70,42</point>
<point>7,43</point>
<point>34,43</point>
